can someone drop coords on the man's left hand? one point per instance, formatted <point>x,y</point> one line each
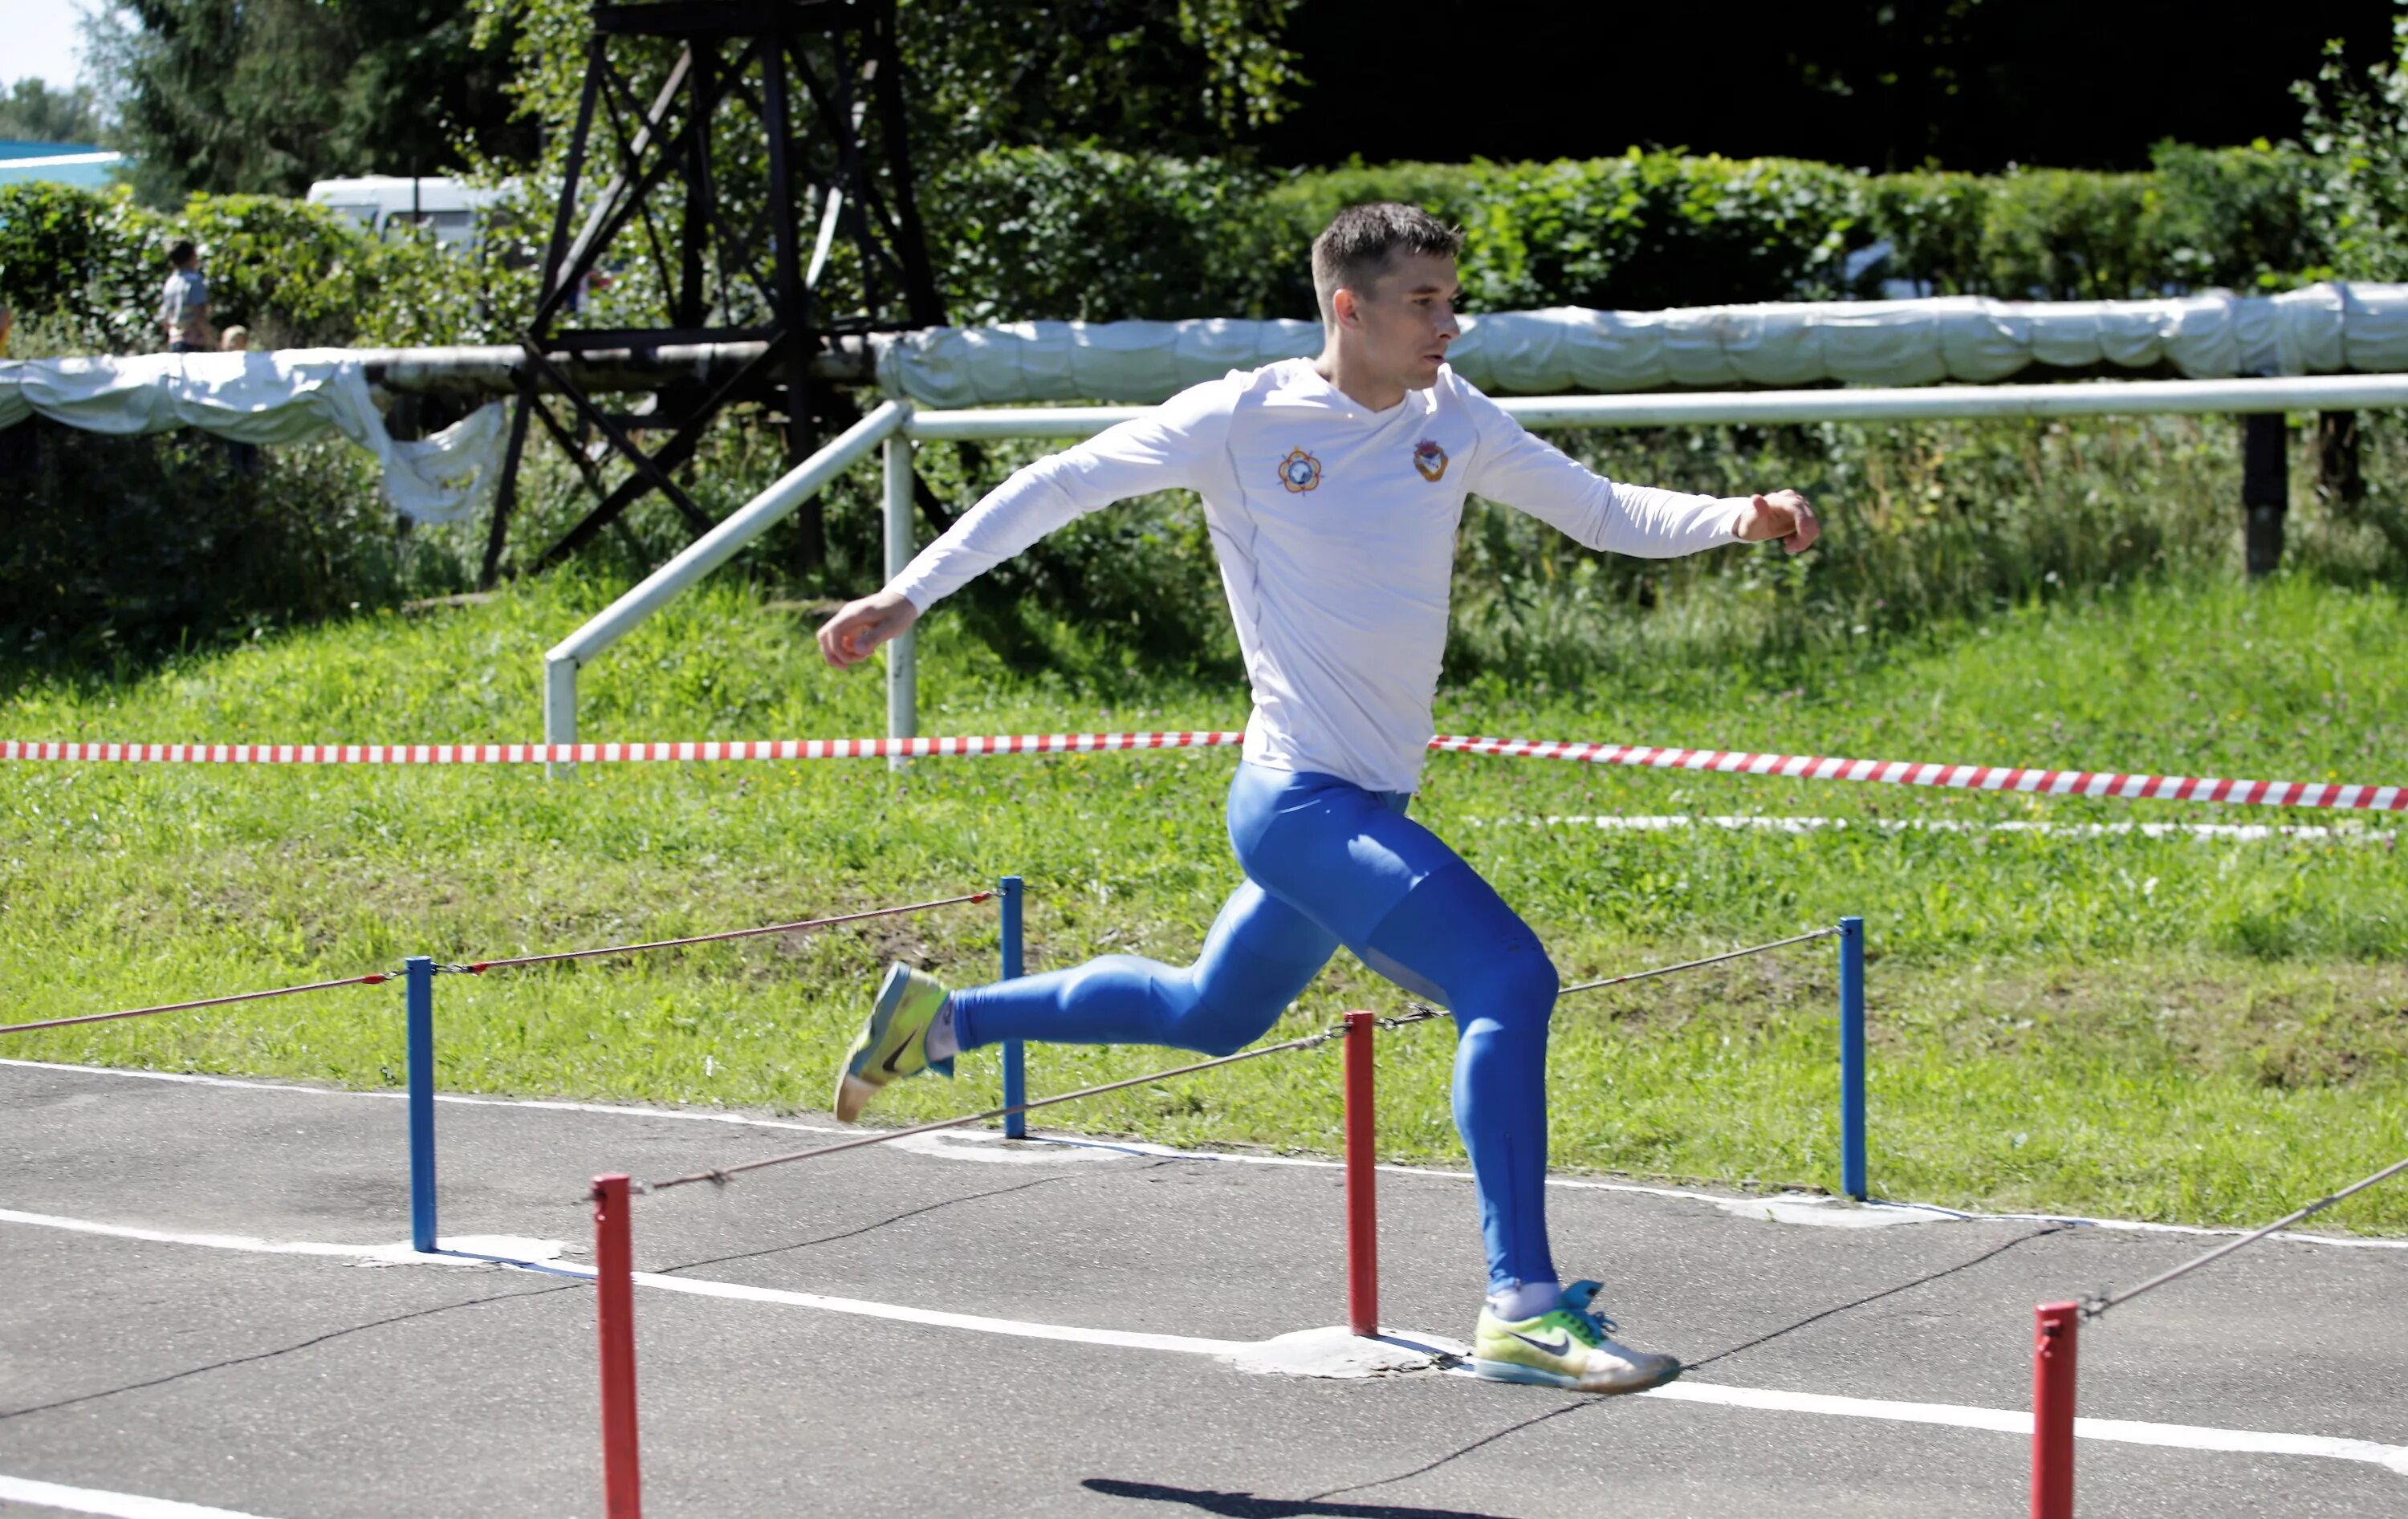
<point>1784,515</point>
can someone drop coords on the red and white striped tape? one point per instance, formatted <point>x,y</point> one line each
<point>2107,783</point>
<point>2104,783</point>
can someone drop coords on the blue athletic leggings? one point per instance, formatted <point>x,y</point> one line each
<point>1328,863</point>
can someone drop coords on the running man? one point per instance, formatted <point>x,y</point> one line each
<point>1332,488</point>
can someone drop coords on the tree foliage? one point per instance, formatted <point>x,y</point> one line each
<point>265,95</point>
<point>2357,128</point>
<point>31,112</point>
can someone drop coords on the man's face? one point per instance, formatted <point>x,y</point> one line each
<point>1407,317</point>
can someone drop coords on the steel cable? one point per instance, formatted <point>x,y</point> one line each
<point>2093,1306</point>
<point>478,968</point>
<point>722,1174</point>
<point>373,979</point>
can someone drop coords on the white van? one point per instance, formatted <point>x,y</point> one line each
<point>386,205</point>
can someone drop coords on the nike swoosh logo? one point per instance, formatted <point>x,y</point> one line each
<point>1563,1342</point>
<point>888,1064</point>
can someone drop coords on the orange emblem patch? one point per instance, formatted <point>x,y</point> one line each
<point>1300,470</point>
<point>1431,460</point>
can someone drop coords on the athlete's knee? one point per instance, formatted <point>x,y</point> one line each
<point>1516,987</point>
<point>1222,1024</point>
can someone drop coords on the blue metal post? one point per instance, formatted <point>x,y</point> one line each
<point>1852,1057</point>
<point>1015,1072</point>
<point>418,972</point>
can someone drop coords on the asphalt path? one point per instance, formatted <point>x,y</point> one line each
<point>235,1373</point>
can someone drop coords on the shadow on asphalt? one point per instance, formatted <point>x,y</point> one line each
<point>1582,1402</point>
<point>284,1350</point>
<point>1247,1506</point>
<point>1991,1254</point>
<point>866,1228</point>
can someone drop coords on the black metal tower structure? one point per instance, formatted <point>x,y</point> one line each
<point>762,184</point>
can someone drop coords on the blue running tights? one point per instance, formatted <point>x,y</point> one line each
<point>1328,863</point>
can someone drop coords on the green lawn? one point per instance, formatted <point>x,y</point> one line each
<point>2207,1031</point>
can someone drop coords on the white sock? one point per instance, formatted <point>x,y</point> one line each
<point>942,1043</point>
<point>1525,1299</point>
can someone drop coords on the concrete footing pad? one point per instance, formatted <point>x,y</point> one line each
<point>1339,1351</point>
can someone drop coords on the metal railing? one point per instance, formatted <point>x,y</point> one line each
<point>896,425</point>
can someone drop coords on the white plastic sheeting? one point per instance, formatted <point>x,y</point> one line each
<point>291,395</point>
<point>2324,329</point>
<point>281,398</point>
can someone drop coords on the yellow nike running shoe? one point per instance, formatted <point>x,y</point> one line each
<point>893,1043</point>
<point>1567,1346</point>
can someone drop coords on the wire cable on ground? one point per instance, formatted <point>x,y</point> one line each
<point>478,968</point>
<point>2093,1306</point>
<point>374,979</point>
<point>722,1174</point>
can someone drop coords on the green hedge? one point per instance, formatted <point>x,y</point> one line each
<point>90,263</point>
<point>1036,234</point>
<point>1085,233</point>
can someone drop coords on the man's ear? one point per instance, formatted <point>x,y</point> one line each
<point>1344,309</point>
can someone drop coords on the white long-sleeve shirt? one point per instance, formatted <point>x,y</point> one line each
<point>1335,528</point>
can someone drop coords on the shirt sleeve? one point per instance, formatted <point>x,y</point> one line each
<point>1182,443</point>
<point>1515,466</point>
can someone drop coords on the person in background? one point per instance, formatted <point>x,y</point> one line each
<point>243,457</point>
<point>184,302</point>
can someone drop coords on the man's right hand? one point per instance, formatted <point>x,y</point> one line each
<point>856,631</point>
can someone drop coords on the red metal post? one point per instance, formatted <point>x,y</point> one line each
<point>1362,1206</point>
<point>2053,1411</point>
<point>615,1297</point>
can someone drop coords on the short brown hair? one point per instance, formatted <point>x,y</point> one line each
<point>1361,240</point>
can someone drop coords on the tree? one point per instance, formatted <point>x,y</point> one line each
<point>31,112</point>
<point>1185,77</point>
<point>2358,129</point>
<point>266,96</point>
<point>1179,77</point>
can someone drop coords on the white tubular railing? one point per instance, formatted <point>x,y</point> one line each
<point>700,558</point>
<point>2085,399</point>
<point>902,652</point>
<point>897,423</point>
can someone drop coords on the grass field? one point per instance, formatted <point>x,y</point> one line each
<point>2199,1030</point>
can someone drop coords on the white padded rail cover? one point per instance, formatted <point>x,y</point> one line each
<point>287,396</point>
<point>2323,329</point>
<point>297,394</point>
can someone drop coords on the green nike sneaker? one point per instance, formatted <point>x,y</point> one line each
<point>893,1042</point>
<point>1566,1347</point>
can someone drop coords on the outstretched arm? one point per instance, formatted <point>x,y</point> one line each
<point>1526,472</point>
<point>1179,443</point>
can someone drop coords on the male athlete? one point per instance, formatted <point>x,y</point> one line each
<point>1332,488</point>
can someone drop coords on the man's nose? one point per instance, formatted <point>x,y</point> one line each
<point>1448,328</point>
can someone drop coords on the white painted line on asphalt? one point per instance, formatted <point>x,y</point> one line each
<point>1787,1208</point>
<point>1021,1329</point>
<point>1956,1415</point>
<point>457,1250</point>
<point>95,1500</point>
<point>2188,1436</point>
